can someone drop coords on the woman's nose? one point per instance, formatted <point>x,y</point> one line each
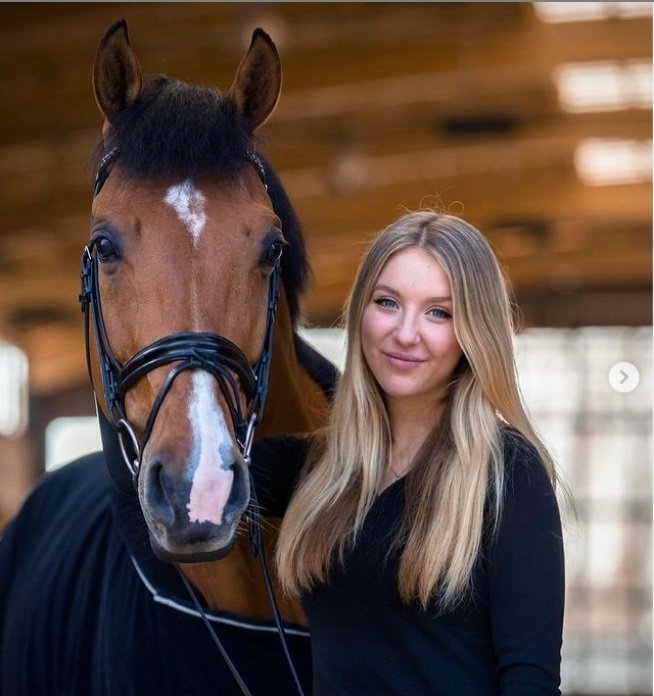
<point>406,329</point>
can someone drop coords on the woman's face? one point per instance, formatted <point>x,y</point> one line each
<point>407,330</point>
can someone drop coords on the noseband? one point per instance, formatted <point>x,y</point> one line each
<point>188,350</point>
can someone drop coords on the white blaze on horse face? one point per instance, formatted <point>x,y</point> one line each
<point>188,202</point>
<point>212,448</point>
<point>212,444</point>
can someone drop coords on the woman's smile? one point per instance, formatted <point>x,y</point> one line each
<point>401,361</point>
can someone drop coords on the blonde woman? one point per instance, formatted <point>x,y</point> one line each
<point>423,534</point>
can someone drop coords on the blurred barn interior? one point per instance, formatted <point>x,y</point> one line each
<point>532,120</point>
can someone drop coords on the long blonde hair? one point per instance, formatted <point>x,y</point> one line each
<point>460,461</point>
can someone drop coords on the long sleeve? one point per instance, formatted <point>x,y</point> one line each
<point>276,466</point>
<point>527,579</point>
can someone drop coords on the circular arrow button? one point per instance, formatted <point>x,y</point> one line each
<point>624,377</point>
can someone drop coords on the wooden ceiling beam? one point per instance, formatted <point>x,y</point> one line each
<point>28,187</point>
<point>486,200</point>
<point>430,57</point>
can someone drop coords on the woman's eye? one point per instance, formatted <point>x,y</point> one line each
<point>106,249</point>
<point>439,313</point>
<point>385,302</point>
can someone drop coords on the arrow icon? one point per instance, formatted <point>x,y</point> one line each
<point>624,377</point>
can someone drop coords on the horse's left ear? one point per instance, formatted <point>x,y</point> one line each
<point>258,82</point>
<point>117,73</point>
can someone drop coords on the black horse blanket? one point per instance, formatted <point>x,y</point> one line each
<point>87,609</point>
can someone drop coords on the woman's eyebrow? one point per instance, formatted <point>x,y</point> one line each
<point>393,291</point>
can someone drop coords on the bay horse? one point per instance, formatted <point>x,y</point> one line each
<point>194,251</point>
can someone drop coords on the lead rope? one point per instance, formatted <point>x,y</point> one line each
<point>257,549</point>
<point>256,544</point>
<point>214,636</point>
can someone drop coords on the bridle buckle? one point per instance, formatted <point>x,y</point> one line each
<point>246,446</point>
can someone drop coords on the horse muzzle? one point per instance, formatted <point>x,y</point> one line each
<point>192,519</point>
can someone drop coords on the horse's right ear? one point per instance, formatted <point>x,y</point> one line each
<point>117,74</point>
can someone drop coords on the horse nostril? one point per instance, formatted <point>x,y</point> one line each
<point>240,492</point>
<point>158,489</point>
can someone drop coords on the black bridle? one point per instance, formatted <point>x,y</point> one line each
<point>189,351</point>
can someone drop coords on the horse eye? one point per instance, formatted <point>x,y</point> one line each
<point>106,249</point>
<point>273,252</point>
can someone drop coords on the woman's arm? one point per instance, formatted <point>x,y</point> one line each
<point>527,579</point>
<point>275,468</point>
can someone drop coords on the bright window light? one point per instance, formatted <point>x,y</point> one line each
<point>13,390</point>
<point>329,342</point>
<point>632,9</point>
<point>604,85</point>
<point>69,438</point>
<point>602,162</point>
<point>590,11</point>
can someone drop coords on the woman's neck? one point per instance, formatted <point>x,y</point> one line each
<point>411,423</point>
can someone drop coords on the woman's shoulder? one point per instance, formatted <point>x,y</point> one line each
<point>524,468</point>
<point>516,446</point>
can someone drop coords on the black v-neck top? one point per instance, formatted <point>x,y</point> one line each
<point>504,639</point>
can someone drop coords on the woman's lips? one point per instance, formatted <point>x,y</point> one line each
<point>402,361</point>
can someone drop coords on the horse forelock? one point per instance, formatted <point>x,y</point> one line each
<point>177,131</point>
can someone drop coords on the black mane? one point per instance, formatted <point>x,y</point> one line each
<point>185,131</point>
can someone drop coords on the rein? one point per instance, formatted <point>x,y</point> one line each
<point>189,350</point>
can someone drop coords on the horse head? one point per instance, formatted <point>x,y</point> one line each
<point>180,287</point>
